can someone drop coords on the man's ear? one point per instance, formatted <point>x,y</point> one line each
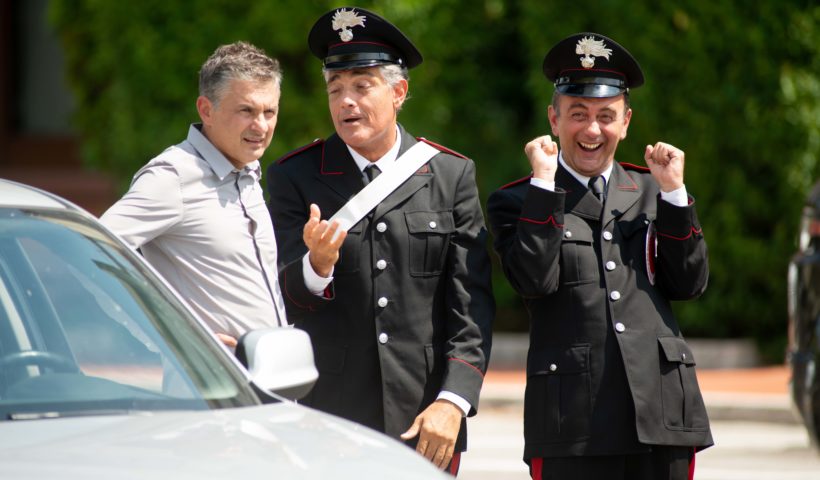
<point>627,118</point>
<point>552,115</point>
<point>400,93</point>
<point>205,109</point>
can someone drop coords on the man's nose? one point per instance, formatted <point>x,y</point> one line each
<point>594,128</point>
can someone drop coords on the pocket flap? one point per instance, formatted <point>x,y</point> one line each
<point>559,360</point>
<point>675,349</point>
<point>576,230</point>
<point>430,222</point>
<point>634,225</point>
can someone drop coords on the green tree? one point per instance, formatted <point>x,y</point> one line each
<point>742,100</point>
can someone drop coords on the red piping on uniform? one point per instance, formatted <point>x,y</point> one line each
<point>630,188</point>
<point>620,74</point>
<point>466,363</point>
<point>441,147</point>
<point>628,166</point>
<point>692,465</point>
<point>454,463</point>
<point>322,169</point>
<point>542,222</point>
<point>693,230</point>
<point>537,465</point>
<point>358,43</point>
<point>298,151</point>
<point>516,182</point>
<point>285,281</point>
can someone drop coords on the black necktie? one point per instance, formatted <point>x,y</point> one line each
<point>598,187</point>
<point>371,171</point>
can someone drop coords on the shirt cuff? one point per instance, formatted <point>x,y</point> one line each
<point>678,197</point>
<point>314,283</point>
<point>540,183</point>
<point>460,402</point>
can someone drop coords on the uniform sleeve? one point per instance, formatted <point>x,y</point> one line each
<point>682,264</point>
<point>289,214</point>
<point>527,237</point>
<point>151,206</point>
<point>470,303</point>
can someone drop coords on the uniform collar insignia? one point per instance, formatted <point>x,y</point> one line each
<point>590,48</point>
<point>344,20</point>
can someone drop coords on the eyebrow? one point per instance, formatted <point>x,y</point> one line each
<point>356,72</point>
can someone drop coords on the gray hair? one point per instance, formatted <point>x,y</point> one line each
<point>236,61</point>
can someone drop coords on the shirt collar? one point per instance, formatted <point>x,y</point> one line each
<point>383,163</point>
<point>220,165</point>
<point>581,178</point>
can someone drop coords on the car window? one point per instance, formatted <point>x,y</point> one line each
<point>85,327</point>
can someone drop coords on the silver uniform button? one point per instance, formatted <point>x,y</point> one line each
<point>568,234</point>
<point>383,302</point>
<point>432,224</point>
<point>610,265</point>
<point>683,355</point>
<point>553,367</point>
<point>382,338</point>
<point>619,327</point>
<point>607,235</point>
<point>381,227</point>
<point>381,264</point>
<point>615,295</point>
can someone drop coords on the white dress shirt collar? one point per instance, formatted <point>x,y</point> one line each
<point>581,178</point>
<point>221,166</point>
<point>384,162</point>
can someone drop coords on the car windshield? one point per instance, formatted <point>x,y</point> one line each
<point>86,328</point>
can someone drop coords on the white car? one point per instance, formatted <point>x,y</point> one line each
<point>104,372</point>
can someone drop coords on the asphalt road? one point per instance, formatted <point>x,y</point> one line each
<point>744,450</point>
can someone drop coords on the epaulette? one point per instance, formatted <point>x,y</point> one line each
<point>516,182</point>
<point>299,150</point>
<point>636,168</point>
<point>441,147</point>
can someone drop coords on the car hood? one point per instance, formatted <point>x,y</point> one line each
<point>272,441</point>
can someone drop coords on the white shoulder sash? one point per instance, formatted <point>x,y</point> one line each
<point>374,192</point>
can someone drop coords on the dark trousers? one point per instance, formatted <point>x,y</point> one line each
<point>662,463</point>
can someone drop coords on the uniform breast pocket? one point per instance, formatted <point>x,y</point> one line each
<point>429,236</point>
<point>349,254</point>
<point>579,264</point>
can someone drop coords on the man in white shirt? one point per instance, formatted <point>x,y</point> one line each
<point>196,211</point>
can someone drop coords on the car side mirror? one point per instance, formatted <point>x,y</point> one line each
<point>280,360</point>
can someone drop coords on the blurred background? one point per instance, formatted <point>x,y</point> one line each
<point>92,89</point>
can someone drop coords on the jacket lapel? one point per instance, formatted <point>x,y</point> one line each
<point>579,200</point>
<point>337,169</point>
<point>622,193</point>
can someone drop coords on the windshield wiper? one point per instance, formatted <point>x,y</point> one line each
<point>14,416</point>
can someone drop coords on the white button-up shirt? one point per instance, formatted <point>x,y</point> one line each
<point>204,226</point>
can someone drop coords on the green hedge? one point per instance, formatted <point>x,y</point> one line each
<point>732,83</point>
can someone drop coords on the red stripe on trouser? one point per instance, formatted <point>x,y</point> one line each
<point>536,466</point>
<point>454,464</point>
<point>692,465</point>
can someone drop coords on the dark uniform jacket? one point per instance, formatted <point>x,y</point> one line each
<point>608,371</point>
<point>410,309</point>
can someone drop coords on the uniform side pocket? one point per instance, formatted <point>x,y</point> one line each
<point>557,399</point>
<point>683,407</point>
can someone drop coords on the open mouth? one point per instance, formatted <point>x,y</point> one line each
<point>589,147</point>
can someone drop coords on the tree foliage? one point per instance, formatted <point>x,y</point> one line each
<point>742,100</point>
